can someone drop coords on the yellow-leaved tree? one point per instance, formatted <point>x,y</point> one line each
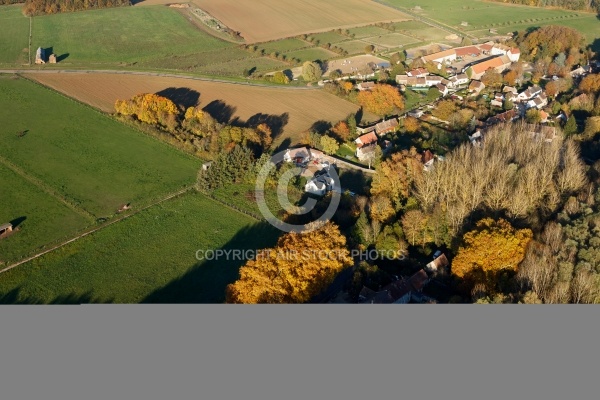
<point>150,108</point>
<point>491,248</point>
<point>382,100</point>
<point>299,267</point>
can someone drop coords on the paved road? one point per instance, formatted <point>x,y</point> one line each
<point>157,74</point>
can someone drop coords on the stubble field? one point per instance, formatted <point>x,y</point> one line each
<point>303,107</point>
<point>263,20</point>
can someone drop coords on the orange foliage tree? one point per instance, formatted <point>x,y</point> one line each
<point>381,100</point>
<point>590,84</point>
<point>394,177</point>
<point>150,108</point>
<point>492,247</point>
<point>300,266</point>
<point>411,124</point>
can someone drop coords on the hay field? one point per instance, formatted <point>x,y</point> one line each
<point>304,107</point>
<point>263,20</point>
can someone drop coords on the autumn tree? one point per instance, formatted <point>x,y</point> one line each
<point>151,109</point>
<point>590,83</point>
<point>298,268</point>
<point>341,131</point>
<point>570,127</point>
<point>411,124</point>
<point>369,48</point>
<point>394,177</point>
<point>494,246</point>
<point>510,77</point>
<point>281,78</point>
<point>444,110</point>
<point>492,78</point>
<point>550,40</point>
<point>533,116</point>
<point>381,100</point>
<point>311,71</point>
<point>592,127</point>
<point>329,145</point>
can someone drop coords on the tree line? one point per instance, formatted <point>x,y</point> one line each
<point>41,7</point>
<point>583,5</point>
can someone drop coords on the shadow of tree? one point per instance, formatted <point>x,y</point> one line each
<point>183,97</point>
<point>207,280</point>
<point>220,111</point>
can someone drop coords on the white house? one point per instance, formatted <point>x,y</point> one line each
<point>442,88</point>
<point>530,93</point>
<point>315,187</point>
<point>538,102</point>
<point>298,155</point>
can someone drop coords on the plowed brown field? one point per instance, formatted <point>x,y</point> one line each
<point>263,20</point>
<point>304,107</point>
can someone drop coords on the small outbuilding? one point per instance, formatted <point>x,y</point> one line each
<point>5,229</point>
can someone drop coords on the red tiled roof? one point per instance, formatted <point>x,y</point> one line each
<point>366,139</point>
<point>467,51</point>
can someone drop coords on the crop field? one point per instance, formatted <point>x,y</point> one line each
<point>38,217</point>
<point>504,17</point>
<point>149,257</point>
<point>301,107</point>
<point>91,161</point>
<point>284,45</point>
<point>130,34</point>
<point>368,31</point>
<point>329,37</point>
<point>264,20</point>
<point>13,35</point>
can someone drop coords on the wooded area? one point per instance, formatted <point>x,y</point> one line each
<point>584,5</point>
<point>41,7</point>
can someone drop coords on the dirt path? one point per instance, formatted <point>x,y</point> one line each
<point>143,73</point>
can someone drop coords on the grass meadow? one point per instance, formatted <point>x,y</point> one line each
<point>149,257</point>
<point>71,158</point>
<point>14,30</point>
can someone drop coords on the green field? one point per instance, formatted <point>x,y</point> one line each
<point>391,40</point>
<point>353,46</point>
<point>14,30</point>
<point>88,159</point>
<point>482,15</point>
<point>315,53</point>
<point>367,31</point>
<point>284,45</point>
<point>39,217</point>
<point>123,34</point>
<point>329,37</point>
<point>149,257</point>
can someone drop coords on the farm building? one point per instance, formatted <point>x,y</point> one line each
<point>365,86</point>
<point>40,56</point>
<point>52,58</point>
<point>440,57</point>
<point>5,229</point>
<point>386,126</point>
<point>499,64</point>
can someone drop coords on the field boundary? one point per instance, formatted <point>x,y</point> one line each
<point>95,229</point>
<point>47,189</point>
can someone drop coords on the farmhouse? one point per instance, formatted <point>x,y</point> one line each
<point>498,63</point>
<point>459,79</point>
<point>440,57</point>
<point>386,126</point>
<point>366,139</point>
<point>401,291</point>
<point>40,56</point>
<point>476,87</point>
<point>300,155</point>
<point>365,86</point>
<point>367,152</point>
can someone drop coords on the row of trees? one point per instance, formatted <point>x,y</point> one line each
<point>584,5</point>
<point>195,129</point>
<point>40,7</point>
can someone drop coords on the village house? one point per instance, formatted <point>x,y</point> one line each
<point>475,87</point>
<point>418,73</point>
<point>402,79</point>
<point>439,265</point>
<point>440,57</point>
<point>442,88</point>
<point>496,103</point>
<point>506,116</point>
<point>365,129</point>
<point>538,101</point>
<point>416,113</point>
<point>320,184</point>
<point>460,79</point>
<point>530,93</point>
<point>432,80</point>
<point>365,86</point>
<point>427,158</point>
<point>544,116</point>
<point>366,153</point>
<point>366,139</point>
<point>498,63</point>
<point>300,155</point>
<point>385,127</point>
<point>401,291</point>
